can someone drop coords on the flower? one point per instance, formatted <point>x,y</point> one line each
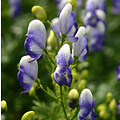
<point>62,74</point>
<point>36,39</point>
<point>118,106</point>
<point>116,6</point>
<point>28,72</point>
<point>118,72</point>
<point>68,26</point>
<point>80,48</point>
<point>15,8</point>
<point>86,103</point>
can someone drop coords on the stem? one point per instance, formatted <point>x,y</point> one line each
<point>62,103</point>
<point>49,57</point>
<point>62,39</point>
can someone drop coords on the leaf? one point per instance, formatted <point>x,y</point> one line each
<point>51,92</point>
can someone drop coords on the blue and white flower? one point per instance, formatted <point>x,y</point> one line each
<point>15,8</point>
<point>116,6</point>
<point>118,72</point>
<point>118,106</point>
<point>28,72</point>
<point>67,23</point>
<point>62,74</point>
<point>36,39</point>
<point>80,48</point>
<point>86,103</point>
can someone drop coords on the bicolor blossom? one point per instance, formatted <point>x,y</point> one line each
<point>28,72</point>
<point>118,106</point>
<point>67,23</point>
<point>15,8</point>
<point>80,48</point>
<point>95,22</point>
<point>62,74</point>
<point>36,39</point>
<point>118,72</point>
<point>116,6</point>
<point>86,104</point>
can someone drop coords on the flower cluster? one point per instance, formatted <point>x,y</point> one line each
<point>86,103</point>
<point>94,20</point>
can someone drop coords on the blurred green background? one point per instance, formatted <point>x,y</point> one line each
<point>102,65</point>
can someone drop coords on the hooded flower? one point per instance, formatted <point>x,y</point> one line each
<point>118,72</point>
<point>68,26</point>
<point>28,72</point>
<point>36,39</point>
<point>62,74</point>
<point>80,48</point>
<point>116,6</point>
<point>15,8</point>
<point>86,103</point>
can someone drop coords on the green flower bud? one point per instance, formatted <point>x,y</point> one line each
<point>73,96</point>
<point>32,92</point>
<point>3,106</point>
<point>82,85</point>
<point>109,97</point>
<point>28,115</point>
<point>84,74</point>
<point>52,41</point>
<point>76,75</point>
<point>73,3</point>
<point>39,13</point>
<point>104,114</point>
<point>101,107</point>
<point>113,105</point>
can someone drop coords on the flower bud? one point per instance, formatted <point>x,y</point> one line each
<point>85,73</point>
<point>104,114</point>
<point>113,105</point>
<point>82,85</point>
<point>3,106</point>
<point>28,115</point>
<point>101,107</point>
<point>52,41</point>
<point>109,97</point>
<point>73,3</point>
<point>39,13</point>
<point>73,96</point>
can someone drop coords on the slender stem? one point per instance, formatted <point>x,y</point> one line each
<point>49,57</point>
<point>62,103</point>
<point>63,39</point>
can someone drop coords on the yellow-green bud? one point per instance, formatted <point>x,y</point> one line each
<point>84,74</point>
<point>73,94</point>
<point>39,13</point>
<point>3,106</point>
<point>104,114</point>
<point>76,75</point>
<point>82,85</point>
<point>101,107</point>
<point>113,105</point>
<point>28,115</point>
<point>109,97</point>
<point>73,3</point>
<point>52,41</point>
<point>32,92</point>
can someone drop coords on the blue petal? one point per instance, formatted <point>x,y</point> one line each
<point>71,39</point>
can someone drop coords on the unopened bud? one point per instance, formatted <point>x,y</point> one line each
<point>113,105</point>
<point>82,85</point>
<point>52,41</point>
<point>73,96</point>
<point>109,97</point>
<point>39,13</point>
<point>73,3</point>
<point>84,74</point>
<point>104,115</point>
<point>28,115</point>
<point>101,107</point>
<point>3,106</point>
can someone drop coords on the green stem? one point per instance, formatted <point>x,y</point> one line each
<point>62,40</point>
<point>62,103</point>
<point>49,57</point>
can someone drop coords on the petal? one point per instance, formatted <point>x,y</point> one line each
<point>36,38</point>
<point>71,39</point>
<point>66,19</point>
<point>64,55</point>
